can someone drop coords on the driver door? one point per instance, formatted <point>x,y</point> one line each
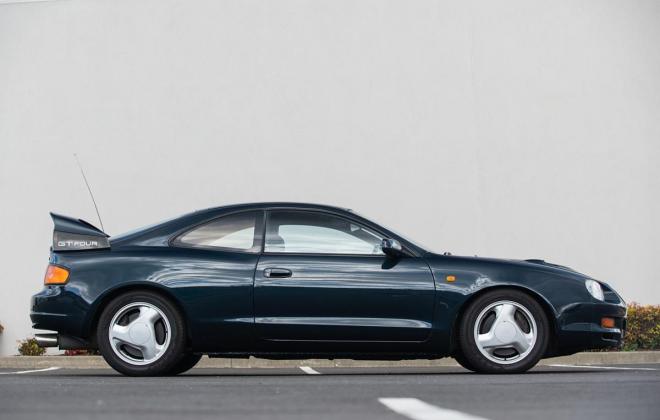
<point>323,278</point>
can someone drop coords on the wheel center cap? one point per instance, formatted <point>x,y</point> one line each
<point>505,332</point>
<point>139,333</point>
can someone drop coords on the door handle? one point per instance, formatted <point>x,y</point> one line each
<point>277,272</point>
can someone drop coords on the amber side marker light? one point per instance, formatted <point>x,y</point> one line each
<point>607,322</point>
<point>56,275</point>
<point>451,279</point>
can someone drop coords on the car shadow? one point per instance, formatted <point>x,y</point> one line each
<point>327,372</point>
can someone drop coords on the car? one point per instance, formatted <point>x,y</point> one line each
<point>293,281</point>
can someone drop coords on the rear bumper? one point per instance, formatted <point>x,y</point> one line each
<point>56,309</point>
<point>579,327</point>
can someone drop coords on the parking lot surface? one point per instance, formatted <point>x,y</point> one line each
<point>546,392</point>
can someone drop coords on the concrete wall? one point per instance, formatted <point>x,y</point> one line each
<point>508,129</point>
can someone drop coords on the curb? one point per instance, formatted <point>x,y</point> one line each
<point>97,362</point>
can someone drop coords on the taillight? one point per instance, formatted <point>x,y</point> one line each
<point>56,275</point>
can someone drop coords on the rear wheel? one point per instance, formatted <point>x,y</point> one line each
<point>188,362</point>
<point>141,334</point>
<point>505,331</point>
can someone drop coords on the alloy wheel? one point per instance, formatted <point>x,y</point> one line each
<point>139,333</point>
<point>505,332</point>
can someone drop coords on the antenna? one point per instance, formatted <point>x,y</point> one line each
<point>90,191</point>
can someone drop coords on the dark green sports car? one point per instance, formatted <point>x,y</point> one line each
<point>290,280</point>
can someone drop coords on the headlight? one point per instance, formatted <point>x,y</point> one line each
<point>594,289</point>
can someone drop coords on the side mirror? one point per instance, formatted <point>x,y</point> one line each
<point>392,248</point>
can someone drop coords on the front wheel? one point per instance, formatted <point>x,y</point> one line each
<point>504,331</point>
<point>141,334</point>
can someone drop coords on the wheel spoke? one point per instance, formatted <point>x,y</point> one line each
<point>488,340</point>
<point>148,315</point>
<point>521,342</point>
<point>149,349</point>
<point>120,333</point>
<point>505,313</point>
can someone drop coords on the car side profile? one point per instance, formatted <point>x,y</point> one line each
<point>293,280</point>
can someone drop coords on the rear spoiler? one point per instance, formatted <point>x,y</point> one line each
<point>71,234</point>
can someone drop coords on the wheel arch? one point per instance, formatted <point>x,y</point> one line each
<point>106,298</point>
<point>548,310</point>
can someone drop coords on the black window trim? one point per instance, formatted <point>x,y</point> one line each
<point>259,234</point>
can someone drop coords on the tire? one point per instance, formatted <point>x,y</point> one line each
<point>504,331</point>
<point>460,358</point>
<point>188,362</point>
<point>148,336</point>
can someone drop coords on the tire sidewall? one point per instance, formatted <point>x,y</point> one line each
<point>186,363</point>
<point>470,350</point>
<point>177,333</point>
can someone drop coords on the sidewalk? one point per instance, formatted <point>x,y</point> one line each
<point>96,362</point>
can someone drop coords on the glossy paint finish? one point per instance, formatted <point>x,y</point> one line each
<point>333,298</point>
<point>214,289</point>
<point>360,306</point>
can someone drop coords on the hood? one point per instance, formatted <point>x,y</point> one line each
<point>477,262</point>
<point>544,263</point>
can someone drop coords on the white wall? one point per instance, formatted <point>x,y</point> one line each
<point>508,129</point>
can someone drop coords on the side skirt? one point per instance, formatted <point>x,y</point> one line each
<point>330,356</point>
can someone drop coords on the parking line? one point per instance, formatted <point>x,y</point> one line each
<point>308,370</point>
<point>603,367</point>
<point>419,410</point>
<point>20,372</point>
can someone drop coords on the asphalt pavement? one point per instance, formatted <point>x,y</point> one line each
<point>546,392</point>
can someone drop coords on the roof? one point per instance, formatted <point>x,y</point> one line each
<point>267,204</point>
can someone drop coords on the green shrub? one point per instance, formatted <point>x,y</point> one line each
<point>643,328</point>
<point>29,347</point>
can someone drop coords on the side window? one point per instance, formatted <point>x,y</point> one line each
<point>318,233</point>
<point>240,231</point>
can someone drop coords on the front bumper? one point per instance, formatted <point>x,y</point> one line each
<point>579,327</point>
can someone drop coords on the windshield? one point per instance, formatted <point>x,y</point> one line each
<point>417,244</point>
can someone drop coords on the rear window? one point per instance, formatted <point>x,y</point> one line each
<point>239,232</point>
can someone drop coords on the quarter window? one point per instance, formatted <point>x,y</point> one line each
<point>319,233</point>
<point>236,232</point>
